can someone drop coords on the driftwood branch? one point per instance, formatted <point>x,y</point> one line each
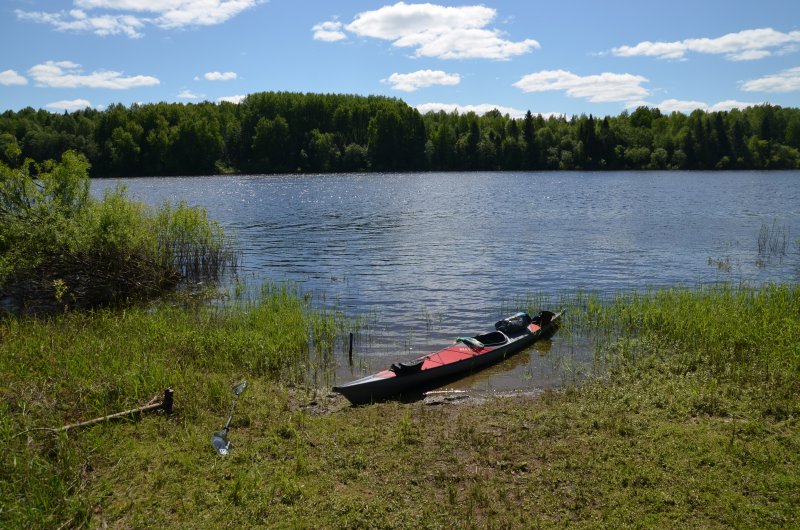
<point>165,405</point>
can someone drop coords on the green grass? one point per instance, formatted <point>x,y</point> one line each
<point>693,421</point>
<point>83,365</point>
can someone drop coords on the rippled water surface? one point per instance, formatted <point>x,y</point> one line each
<point>431,256</point>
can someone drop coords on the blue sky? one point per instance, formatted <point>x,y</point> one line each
<point>569,57</point>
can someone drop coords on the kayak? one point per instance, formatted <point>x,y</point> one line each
<point>467,354</point>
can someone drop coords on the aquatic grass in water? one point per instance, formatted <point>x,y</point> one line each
<point>188,241</point>
<point>733,331</point>
<point>774,240</point>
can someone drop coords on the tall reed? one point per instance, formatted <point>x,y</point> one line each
<point>774,240</point>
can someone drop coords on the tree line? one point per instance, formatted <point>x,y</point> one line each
<point>277,132</point>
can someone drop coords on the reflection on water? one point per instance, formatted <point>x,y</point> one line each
<point>432,256</point>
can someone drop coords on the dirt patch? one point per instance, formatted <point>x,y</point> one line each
<point>469,397</point>
<point>324,404</point>
<point>332,402</point>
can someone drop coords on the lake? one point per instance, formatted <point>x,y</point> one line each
<point>429,256</point>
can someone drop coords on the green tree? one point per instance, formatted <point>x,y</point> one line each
<point>323,155</point>
<point>355,158</point>
<point>10,150</point>
<point>283,131</point>
<point>531,158</point>
<point>659,158</point>
<point>793,131</point>
<point>385,133</point>
<point>122,153</point>
<point>197,146</point>
<point>271,144</point>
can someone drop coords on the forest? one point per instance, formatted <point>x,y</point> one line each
<point>282,132</point>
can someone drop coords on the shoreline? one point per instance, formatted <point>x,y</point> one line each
<point>695,421</point>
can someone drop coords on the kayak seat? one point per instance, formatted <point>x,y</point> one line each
<point>407,367</point>
<point>494,338</point>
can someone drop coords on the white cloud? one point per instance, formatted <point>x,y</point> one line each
<point>747,45</point>
<point>66,74</point>
<point>687,106</point>
<point>220,76</point>
<point>602,88</point>
<point>438,31</point>
<point>93,15</point>
<point>420,79</point>
<point>182,13</point>
<point>77,20</point>
<point>187,94</point>
<point>785,81</point>
<point>330,31</point>
<point>11,77</point>
<point>749,55</point>
<point>480,109</point>
<point>407,21</point>
<point>69,105</point>
<point>232,99</point>
<point>130,5</point>
<point>730,104</point>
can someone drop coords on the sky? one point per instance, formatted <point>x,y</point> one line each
<point>550,57</point>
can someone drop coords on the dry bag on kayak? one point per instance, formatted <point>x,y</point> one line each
<point>514,323</point>
<point>543,318</point>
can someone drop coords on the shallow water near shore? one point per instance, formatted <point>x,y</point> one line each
<point>429,256</point>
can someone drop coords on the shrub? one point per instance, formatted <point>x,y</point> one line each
<point>60,247</point>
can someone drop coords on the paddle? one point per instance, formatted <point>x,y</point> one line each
<point>220,438</point>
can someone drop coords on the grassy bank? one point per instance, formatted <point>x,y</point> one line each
<point>84,365</point>
<point>694,422</point>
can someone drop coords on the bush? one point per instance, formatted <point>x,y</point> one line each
<point>60,247</point>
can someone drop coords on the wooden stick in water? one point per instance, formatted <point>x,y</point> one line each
<point>350,353</point>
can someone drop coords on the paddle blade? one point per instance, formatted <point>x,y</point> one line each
<point>220,442</point>
<point>238,389</point>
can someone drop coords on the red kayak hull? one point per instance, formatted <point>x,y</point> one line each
<point>443,365</point>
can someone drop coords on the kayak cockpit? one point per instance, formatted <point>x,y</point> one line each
<point>493,338</point>
<point>408,367</point>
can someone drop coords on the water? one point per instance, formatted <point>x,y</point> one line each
<point>432,256</point>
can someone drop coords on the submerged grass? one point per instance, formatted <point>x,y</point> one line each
<point>694,422</point>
